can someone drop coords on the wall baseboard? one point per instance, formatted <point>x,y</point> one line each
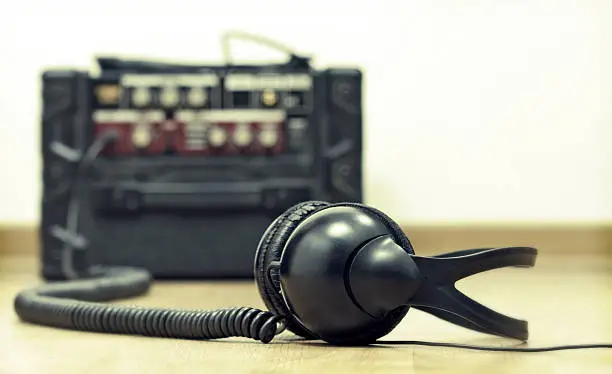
<point>549,239</point>
<point>19,240</point>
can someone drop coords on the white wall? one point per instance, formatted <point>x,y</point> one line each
<point>476,110</point>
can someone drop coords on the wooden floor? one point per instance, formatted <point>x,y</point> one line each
<point>567,301</point>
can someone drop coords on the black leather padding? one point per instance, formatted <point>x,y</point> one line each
<point>270,249</point>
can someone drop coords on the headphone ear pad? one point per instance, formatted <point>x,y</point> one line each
<point>269,250</point>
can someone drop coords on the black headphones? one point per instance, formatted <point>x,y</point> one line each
<point>347,274</point>
<point>344,273</point>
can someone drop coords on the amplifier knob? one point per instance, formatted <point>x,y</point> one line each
<point>169,96</point>
<point>217,136</point>
<point>268,136</point>
<point>243,136</point>
<point>141,136</point>
<point>108,94</point>
<point>197,96</point>
<point>269,98</point>
<point>141,96</point>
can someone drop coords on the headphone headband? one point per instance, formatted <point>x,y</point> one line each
<point>438,295</point>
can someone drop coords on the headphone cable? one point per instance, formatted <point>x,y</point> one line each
<point>74,204</point>
<point>76,303</point>
<point>495,349</point>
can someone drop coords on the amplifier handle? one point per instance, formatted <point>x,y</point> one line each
<point>295,60</point>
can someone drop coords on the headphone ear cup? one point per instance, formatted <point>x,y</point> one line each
<point>386,324</point>
<point>270,249</point>
<point>398,234</point>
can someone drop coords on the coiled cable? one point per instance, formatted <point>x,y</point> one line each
<point>76,305</point>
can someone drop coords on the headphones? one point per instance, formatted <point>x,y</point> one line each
<point>347,274</point>
<point>344,273</point>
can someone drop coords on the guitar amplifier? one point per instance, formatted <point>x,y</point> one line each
<point>200,161</point>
